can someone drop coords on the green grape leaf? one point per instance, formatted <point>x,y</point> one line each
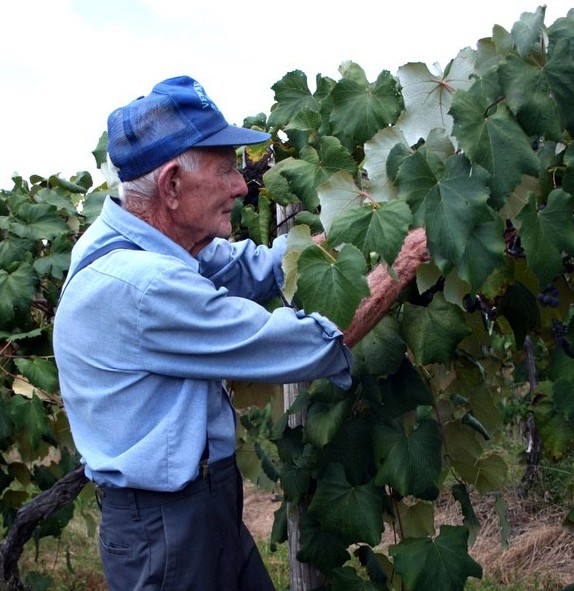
<point>92,205</point>
<point>360,112</point>
<point>257,222</point>
<point>559,73</point>
<point>323,549</point>
<point>298,240</point>
<point>100,152</point>
<point>51,197</point>
<point>337,195</point>
<point>377,151</point>
<point>501,511</point>
<point>527,32</point>
<point>324,421</point>
<point>352,447</point>
<point>38,221</point>
<point>294,482</point>
<point>372,563</point>
<point>442,563</point>
<point>433,332</point>
<point>563,396</point>
<point>17,289</point>
<point>315,167</point>
<point>346,578</point>
<point>529,97</point>
<point>555,430</point>
<point>14,248</point>
<point>381,351</point>
<point>416,519</point>
<point>353,512</point>
<point>487,237</point>
<point>332,287</point>
<point>403,391</point>
<point>448,199</point>
<point>519,307</point>
<point>29,417</point>
<point>409,462</point>
<point>492,138</point>
<point>428,96</point>
<point>292,95</point>
<point>379,228</point>
<point>491,473</point>
<point>40,372</point>
<point>460,494</point>
<point>544,234</point>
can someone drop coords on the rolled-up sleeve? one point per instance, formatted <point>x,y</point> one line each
<point>243,268</point>
<point>191,329</point>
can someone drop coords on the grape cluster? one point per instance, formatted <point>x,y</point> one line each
<point>512,242</point>
<point>560,330</point>
<point>548,297</point>
<point>487,308</point>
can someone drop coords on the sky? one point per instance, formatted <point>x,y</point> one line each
<point>66,64</point>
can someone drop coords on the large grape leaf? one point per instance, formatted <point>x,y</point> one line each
<point>353,512</point>
<point>298,240</point>
<point>381,351</point>
<point>292,95</point>
<point>359,111</point>
<point>546,233</point>
<point>332,287</point>
<point>338,194</point>
<point>409,462</point>
<point>323,549</point>
<point>434,331</point>
<point>403,391</point>
<point>530,97</point>
<point>374,227</point>
<point>324,420</point>
<point>487,238</point>
<point>314,167</point>
<point>449,200</point>
<point>346,578</point>
<point>563,396</point>
<point>442,563</point>
<point>17,289</point>
<point>491,137</point>
<point>560,74</point>
<point>520,308</point>
<point>14,248</point>
<point>38,221</point>
<point>29,417</point>
<point>527,32</point>
<point>377,151</point>
<point>428,96</point>
<point>39,371</point>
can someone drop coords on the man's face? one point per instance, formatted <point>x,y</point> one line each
<point>206,198</point>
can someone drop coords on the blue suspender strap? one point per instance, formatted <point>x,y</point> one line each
<point>100,252</point>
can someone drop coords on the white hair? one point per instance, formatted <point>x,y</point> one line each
<point>139,193</point>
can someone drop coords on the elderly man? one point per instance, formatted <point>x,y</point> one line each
<point>158,308</point>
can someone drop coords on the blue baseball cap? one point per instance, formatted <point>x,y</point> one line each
<point>175,116</point>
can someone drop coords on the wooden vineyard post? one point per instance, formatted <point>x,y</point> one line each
<point>303,575</point>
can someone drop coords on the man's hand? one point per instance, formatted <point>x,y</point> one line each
<point>384,289</point>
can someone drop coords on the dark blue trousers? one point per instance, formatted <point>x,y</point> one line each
<point>190,540</point>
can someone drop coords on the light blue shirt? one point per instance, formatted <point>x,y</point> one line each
<point>144,338</point>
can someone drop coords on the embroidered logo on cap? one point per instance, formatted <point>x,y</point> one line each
<point>206,102</point>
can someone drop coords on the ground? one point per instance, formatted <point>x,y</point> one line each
<point>540,547</point>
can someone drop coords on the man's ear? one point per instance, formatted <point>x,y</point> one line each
<point>169,183</point>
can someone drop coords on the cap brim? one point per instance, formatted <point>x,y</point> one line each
<point>234,136</point>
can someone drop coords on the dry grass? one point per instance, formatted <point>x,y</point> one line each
<point>539,548</point>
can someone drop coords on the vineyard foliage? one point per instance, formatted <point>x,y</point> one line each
<point>481,156</point>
